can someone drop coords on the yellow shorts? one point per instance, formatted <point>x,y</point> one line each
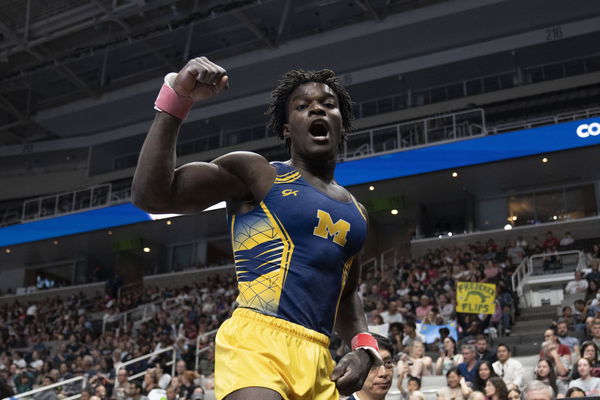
<point>253,349</point>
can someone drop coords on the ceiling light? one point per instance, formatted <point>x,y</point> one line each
<point>545,159</point>
<point>514,218</point>
<point>55,242</point>
<point>146,249</point>
<point>7,251</point>
<point>169,222</point>
<point>555,217</point>
<point>371,188</point>
<point>449,233</point>
<point>507,227</point>
<point>394,211</point>
<point>454,174</point>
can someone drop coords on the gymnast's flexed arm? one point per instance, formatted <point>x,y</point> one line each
<point>159,187</point>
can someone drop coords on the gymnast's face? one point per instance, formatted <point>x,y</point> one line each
<point>314,121</point>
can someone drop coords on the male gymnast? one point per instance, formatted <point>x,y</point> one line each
<point>295,234</point>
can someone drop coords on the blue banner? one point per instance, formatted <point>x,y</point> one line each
<point>71,224</point>
<point>432,332</point>
<point>480,150</point>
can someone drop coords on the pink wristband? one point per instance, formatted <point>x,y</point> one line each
<point>172,103</point>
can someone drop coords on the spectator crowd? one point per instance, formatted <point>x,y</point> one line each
<point>52,341</point>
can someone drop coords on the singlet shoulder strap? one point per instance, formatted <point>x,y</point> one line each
<point>285,173</point>
<point>360,210</point>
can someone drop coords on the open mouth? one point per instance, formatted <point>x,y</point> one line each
<point>318,129</point>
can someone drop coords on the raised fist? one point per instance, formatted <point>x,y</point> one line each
<point>200,79</point>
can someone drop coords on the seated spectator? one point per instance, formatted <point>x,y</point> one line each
<point>413,386</point>
<point>594,274</point>
<point>507,368</point>
<point>483,351</point>
<point>448,358</point>
<point>591,296</point>
<point>495,389</point>
<point>545,372</point>
<point>558,353</point>
<point>589,351</point>
<point>445,308</point>
<point>514,394</point>
<point>163,378</point>
<point>580,315</point>
<point>551,261</point>
<point>587,382</point>
<point>595,331</point>
<point>150,381</point>
<point>476,395</point>
<point>485,371</point>
<point>395,335</point>
<point>515,253</point>
<point>418,363</point>
<point>567,240</point>
<point>522,243</point>
<point>187,386</point>
<point>23,380</point>
<point>575,392</point>
<point>562,330</point>
<point>550,242</point>
<point>578,285</point>
<point>423,308</point>
<point>392,313</point>
<point>456,387</point>
<point>411,335</point>
<point>171,393</point>
<point>378,382</point>
<point>468,368</point>
<point>536,390</point>
<point>121,385</point>
<point>135,391</point>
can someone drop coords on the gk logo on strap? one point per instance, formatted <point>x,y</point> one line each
<point>327,228</point>
<point>288,192</point>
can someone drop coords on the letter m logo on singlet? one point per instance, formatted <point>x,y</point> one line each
<point>327,228</point>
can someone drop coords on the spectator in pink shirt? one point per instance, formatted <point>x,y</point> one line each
<point>423,308</point>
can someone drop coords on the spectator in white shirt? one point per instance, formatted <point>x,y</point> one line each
<point>507,368</point>
<point>391,314</point>
<point>577,285</point>
<point>567,240</point>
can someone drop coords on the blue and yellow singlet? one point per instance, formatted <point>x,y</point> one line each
<point>294,250</point>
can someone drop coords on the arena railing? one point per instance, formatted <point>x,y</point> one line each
<point>145,309</point>
<point>150,356</point>
<point>389,258</point>
<point>366,143</point>
<point>545,120</point>
<point>151,311</point>
<point>422,132</point>
<point>368,265</point>
<point>52,386</point>
<point>527,268</point>
<point>204,349</point>
<point>561,263</point>
<point>66,203</point>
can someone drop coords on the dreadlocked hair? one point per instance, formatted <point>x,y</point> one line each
<point>277,107</point>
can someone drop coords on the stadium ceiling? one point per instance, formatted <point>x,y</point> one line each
<point>59,51</point>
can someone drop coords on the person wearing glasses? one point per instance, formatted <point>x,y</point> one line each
<point>560,354</point>
<point>379,380</point>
